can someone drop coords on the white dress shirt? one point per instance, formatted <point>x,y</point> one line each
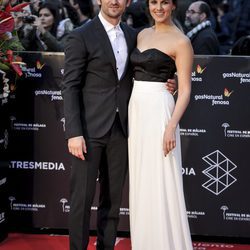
<point>118,42</point>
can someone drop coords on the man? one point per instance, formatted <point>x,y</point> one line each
<point>84,10</point>
<point>201,34</point>
<point>96,90</point>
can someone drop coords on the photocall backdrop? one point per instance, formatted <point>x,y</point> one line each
<point>215,134</point>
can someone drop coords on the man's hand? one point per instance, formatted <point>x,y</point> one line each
<point>171,85</point>
<point>77,146</point>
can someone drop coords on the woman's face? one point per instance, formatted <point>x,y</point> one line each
<point>47,19</point>
<point>161,10</point>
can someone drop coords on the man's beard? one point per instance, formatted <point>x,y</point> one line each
<point>189,25</point>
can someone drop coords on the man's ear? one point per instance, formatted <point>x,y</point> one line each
<point>203,17</point>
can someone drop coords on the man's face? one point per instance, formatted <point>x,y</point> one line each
<point>112,10</point>
<point>193,15</point>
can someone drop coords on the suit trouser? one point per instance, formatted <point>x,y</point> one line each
<point>108,156</point>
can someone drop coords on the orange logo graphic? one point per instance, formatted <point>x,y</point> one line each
<point>199,69</point>
<point>39,65</point>
<point>227,93</point>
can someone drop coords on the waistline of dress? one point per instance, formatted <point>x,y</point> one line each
<point>149,86</point>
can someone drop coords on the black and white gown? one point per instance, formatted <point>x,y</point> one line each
<point>158,218</point>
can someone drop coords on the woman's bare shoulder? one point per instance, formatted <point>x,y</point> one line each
<point>144,32</point>
<point>181,38</point>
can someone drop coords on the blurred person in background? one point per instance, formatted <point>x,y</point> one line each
<point>241,47</point>
<point>200,32</point>
<point>243,25</point>
<point>213,12</point>
<point>136,15</point>
<point>228,16</point>
<point>68,13</point>
<point>96,7</point>
<point>34,6</point>
<point>84,9</point>
<point>40,33</point>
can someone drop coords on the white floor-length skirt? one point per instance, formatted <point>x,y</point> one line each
<point>158,218</point>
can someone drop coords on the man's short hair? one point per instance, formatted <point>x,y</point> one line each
<point>205,8</point>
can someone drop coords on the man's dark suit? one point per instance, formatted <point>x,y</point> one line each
<point>205,42</point>
<point>92,93</point>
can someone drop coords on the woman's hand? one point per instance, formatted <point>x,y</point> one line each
<point>169,140</point>
<point>39,25</point>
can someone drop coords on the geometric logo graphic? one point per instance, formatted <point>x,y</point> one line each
<point>63,123</point>
<point>199,69</point>
<point>11,198</point>
<point>39,65</point>
<point>63,201</point>
<point>224,208</point>
<point>219,172</point>
<point>225,126</point>
<point>227,92</point>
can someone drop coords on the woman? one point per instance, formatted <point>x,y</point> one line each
<point>42,34</point>
<point>158,217</point>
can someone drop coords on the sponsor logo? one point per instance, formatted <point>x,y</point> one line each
<point>234,216</point>
<point>233,133</point>
<point>196,75</point>
<point>222,99</point>
<point>33,72</point>
<point>227,92</point>
<point>244,78</point>
<point>55,95</point>
<point>195,214</point>
<point>206,246</point>
<point>219,172</point>
<point>192,131</point>
<point>25,126</point>
<point>63,123</point>
<point>2,217</point>
<point>34,165</point>
<point>11,199</point>
<point>17,206</point>
<point>124,211</point>
<point>199,69</point>
<point>5,139</point>
<point>65,207</point>
<point>39,65</point>
<point>188,171</point>
<point>12,120</point>
<point>3,181</point>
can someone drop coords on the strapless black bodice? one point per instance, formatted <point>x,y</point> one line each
<point>152,65</point>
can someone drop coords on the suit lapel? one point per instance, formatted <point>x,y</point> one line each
<point>128,38</point>
<point>130,45</point>
<point>105,42</point>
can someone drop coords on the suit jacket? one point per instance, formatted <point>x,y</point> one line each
<point>205,42</point>
<point>91,88</point>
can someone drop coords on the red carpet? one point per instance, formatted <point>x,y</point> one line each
<point>55,242</point>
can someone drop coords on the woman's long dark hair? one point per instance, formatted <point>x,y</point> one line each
<point>54,10</point>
